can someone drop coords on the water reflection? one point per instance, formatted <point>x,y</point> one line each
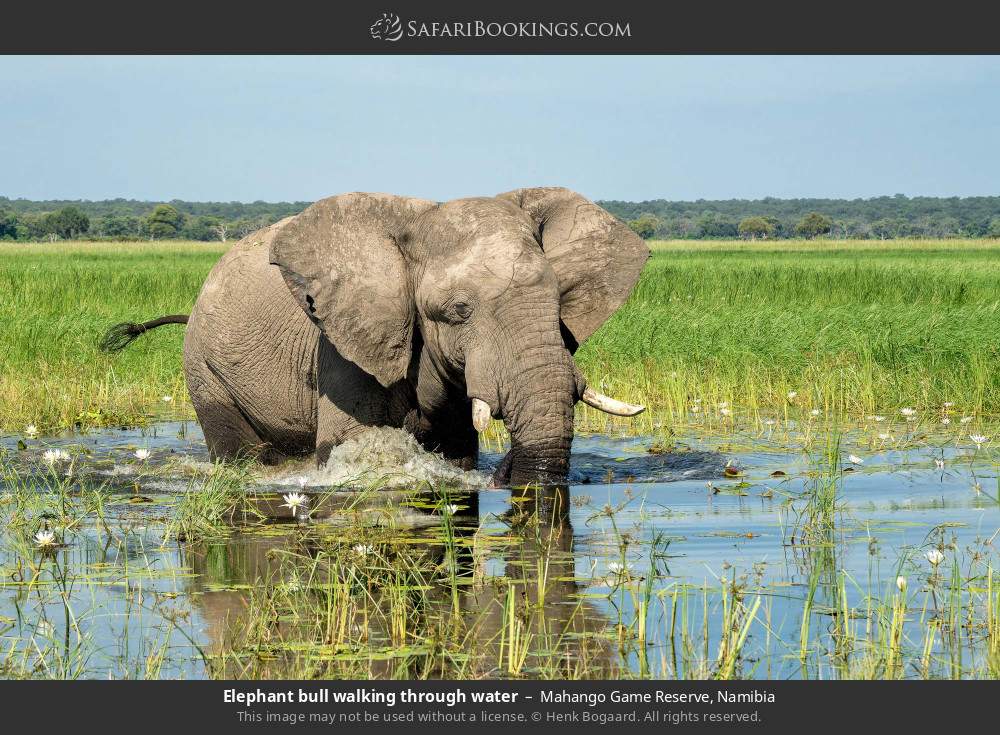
<point>530,588</point>
<point>391,583</point>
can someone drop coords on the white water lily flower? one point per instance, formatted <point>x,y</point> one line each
<point>939,463</point>
<point>45,539</point>
<point>142,454</point>
<point>815,412</point>
<point>55,456</point>
<point>294,501</point>
<point>364,549</point>
<point>167,399</point>
<point>855,459</point>
<point>901,584</point>
<point>965,420</point>
<point>695,409</point>
<point>303,481</point>
<point>618,569</point>
<point>885,437</point>
<point>945,421</point>
<point>792,394</point>
<point>725,411</point>
<point>979,439</point>
<point>878,419</point>
<point>31,431</point>
<point>450,509</point>
<point>908,412</point>
<point>769,422</point>
<point>935,557</point>
<point>948,404</point>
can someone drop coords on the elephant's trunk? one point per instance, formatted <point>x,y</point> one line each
<point>536,404</point>
<point>537,409</point>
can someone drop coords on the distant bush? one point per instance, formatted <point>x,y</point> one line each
<point>756,227</point>
<point>128,219</point>
<point>645,226</point>
<point>813,225</point>
<point>164,222</point>
<point>857,219</point>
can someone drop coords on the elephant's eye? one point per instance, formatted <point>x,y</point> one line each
<point>453,308</point>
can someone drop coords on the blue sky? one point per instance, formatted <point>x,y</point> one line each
<point>287,128</point>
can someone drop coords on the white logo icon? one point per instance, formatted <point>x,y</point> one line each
<point>387,28</point>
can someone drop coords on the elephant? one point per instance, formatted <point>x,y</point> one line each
<point>382,310</point>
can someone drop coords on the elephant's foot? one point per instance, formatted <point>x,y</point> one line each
<point>508,474</point>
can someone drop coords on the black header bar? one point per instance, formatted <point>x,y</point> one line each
<point>510,27</point>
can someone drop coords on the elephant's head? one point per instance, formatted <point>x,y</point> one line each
<point>477,301</point>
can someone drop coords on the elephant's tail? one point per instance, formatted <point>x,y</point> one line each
<point>121,335</point>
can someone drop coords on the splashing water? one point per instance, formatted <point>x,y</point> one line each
<point>388,458</point>
<point>380,457</point>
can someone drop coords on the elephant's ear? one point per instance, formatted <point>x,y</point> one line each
<point>596,257</point>
<point>341,259</point>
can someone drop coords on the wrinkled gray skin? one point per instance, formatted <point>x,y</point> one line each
<point>372,309</point>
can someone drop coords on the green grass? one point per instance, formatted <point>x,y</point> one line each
<point>851,327</point>
<point>57,301</point>
<point>855,327</point>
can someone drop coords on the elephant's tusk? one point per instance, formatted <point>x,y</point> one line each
<point>610,405</point>
<point>480,414</point>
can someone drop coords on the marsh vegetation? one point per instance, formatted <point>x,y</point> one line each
<point>795,549</point>
<point>856,327</point>
<point>852,327</point>
<point>814,492</point>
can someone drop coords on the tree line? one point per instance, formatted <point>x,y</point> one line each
<point>770,218</point>
<point>128,219</point>
<point>884,217</point>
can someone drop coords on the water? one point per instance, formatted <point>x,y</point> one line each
<point>673,537</point>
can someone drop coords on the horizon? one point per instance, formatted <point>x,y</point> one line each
<point>295,128</point>
<point>56,200</point>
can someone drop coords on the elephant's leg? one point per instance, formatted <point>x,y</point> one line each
<point>228,433</point>
<point>349,401</point>
<point>457,443</point>
<point>443,423</point>
<point>450,434</point>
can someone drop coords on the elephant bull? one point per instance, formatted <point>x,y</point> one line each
<point>379,310</point>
